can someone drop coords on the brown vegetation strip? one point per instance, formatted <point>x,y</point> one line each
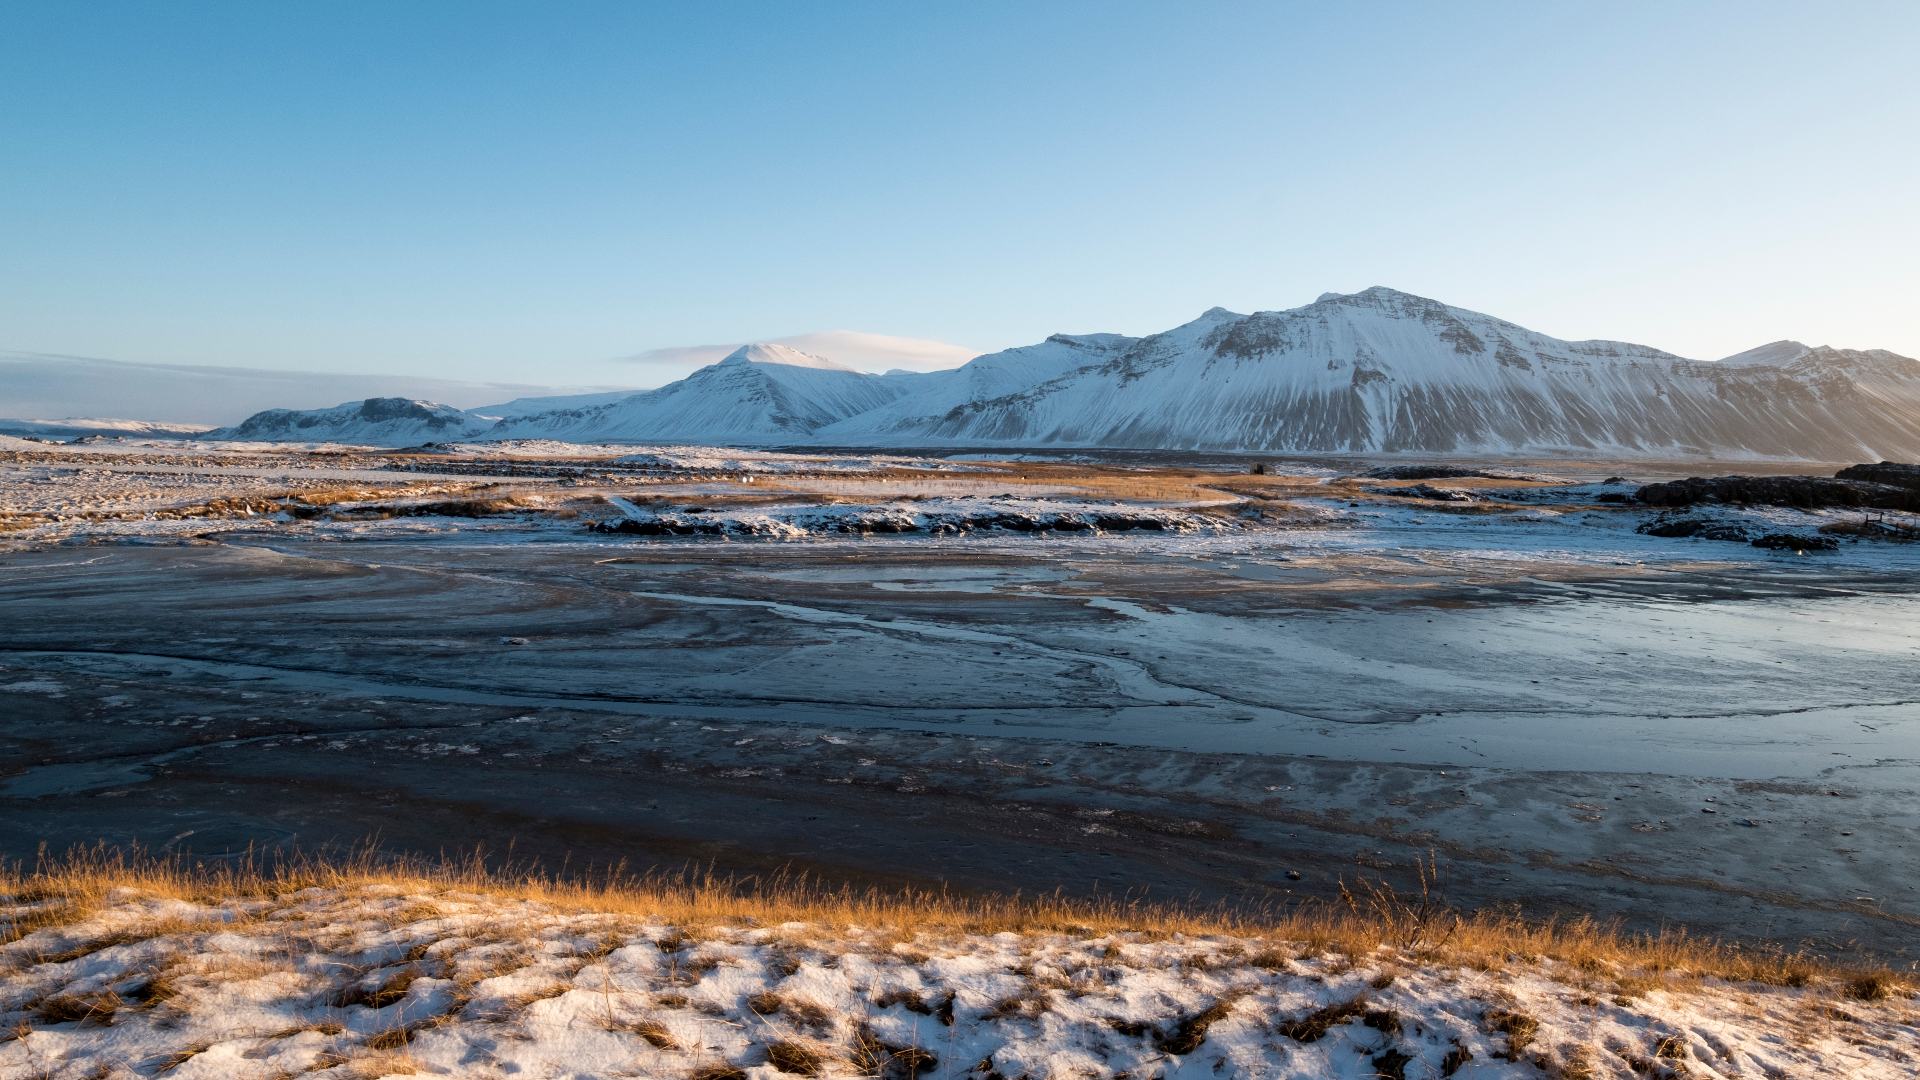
<point>59,892</point>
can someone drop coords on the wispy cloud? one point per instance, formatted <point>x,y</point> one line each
<point>854,348</point>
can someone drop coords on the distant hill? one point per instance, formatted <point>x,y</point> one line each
<point>757,394</point>
<point>376,421</point>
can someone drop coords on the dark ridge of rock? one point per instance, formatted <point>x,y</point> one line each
<point>1452,472</point>
<point>1793,542</point>
<point>1804,492</point>
<point>1896,473</point>
<point>1700,528</point>
<point>1436,494</point>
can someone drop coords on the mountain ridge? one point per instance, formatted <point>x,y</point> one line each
<point>1377,371</point>
<point>757,393</point>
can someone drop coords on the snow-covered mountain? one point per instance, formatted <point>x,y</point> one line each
<point>375,421</point>
<point>1377,371</point>
<point>1384,371</point>
<point>759,394</point>
<point>930,395</point>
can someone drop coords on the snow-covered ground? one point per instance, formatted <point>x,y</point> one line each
<point>374,980</point>
<point>127,489</point>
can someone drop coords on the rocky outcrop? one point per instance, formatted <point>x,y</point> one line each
<point>1804,492</point>
<point>1796,542</point>
<point>1736,533</point>
<point>1696,528</point>
<point>1898,474</point>
<point>1436,494</point>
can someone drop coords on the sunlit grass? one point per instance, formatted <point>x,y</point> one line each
<point>1367,920</point>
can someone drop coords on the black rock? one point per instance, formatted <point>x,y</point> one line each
<point>1428,491</point>
<point>1699,528</point>
<point>1805,492</point>
<point>1792,542</point>
<point>1886,472</point>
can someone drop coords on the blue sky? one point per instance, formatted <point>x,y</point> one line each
<point>527,191</point>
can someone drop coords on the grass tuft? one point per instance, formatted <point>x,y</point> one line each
<point>1873,986</point>
<point>795,1056</point>
<point>1518,1027</point>
<point>96,1008</point>
<point>1314,1025</point>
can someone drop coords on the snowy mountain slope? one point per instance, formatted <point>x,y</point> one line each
<point>1385,371</point>
<point>533,406</point>
<point>1774,353</point>
<point>1826,404</point>
<point>375,421</point>
<point>758,394</point>
<point>933,394</point>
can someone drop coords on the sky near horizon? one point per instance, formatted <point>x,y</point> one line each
<point>532,192</point>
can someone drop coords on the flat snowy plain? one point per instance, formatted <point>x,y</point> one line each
<point>1241,688</point>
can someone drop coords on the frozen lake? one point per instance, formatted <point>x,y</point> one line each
<point>1731,744</point>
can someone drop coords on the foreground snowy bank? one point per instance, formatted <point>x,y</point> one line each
<point>371,977</point>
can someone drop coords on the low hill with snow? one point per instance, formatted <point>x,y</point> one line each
<point>375,421</point>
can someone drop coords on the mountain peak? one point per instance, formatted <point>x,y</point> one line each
<point>1784,351</point>
<point>770,353</point>
<point>1375,294</point>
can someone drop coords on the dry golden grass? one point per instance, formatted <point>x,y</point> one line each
<point>1367,921</point>
<point>384,1063</point>
<point>798,1057</point>
<point>655,1032</point>
<point>1519,1028</point>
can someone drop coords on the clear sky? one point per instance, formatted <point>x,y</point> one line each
<point>527,191</point>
